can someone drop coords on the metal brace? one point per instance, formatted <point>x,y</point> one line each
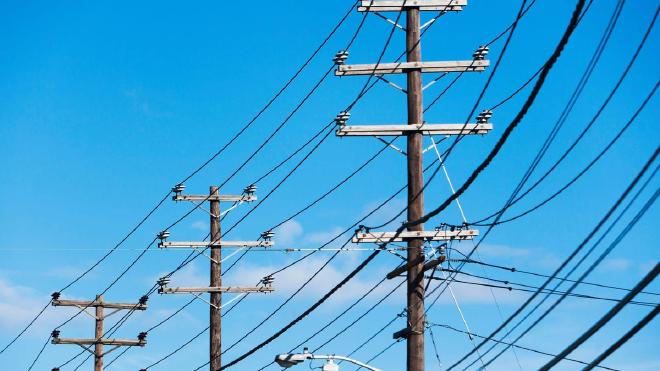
<point>198,296</point>
<point>390,21</point>
<point>390,83</point>
<point>434,81</point>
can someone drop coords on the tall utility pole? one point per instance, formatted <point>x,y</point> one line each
<point>215,320</point>
<point>99,316</point>
<point>215,245</point>
<point>415,237</point>
<point>415,276</point>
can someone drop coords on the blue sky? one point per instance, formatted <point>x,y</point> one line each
<point>105,106</point>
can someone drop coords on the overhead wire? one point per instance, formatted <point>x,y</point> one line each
<point>431,325</point>
<point>648,278</point>
<point>605,253</point>
<point>579,248</point>
<point>627,336</point>
<point>197,170</point>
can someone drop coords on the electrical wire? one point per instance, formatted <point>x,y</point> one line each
<point>581,172</point>
<point>627,336</point>
<point>516,270</point>
<point>197,170</point>
<point>516,346</point>
<point>605,319</point>
<point>568,108</point>
<point>586,240</point>
<point>618,239</point>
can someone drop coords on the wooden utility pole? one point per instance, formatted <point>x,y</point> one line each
<point>415,276</point>
<point>98,333</point>
<point>215,320</point>
<point>215,244</point>
<point>99,316</point>
<point>414,131</point>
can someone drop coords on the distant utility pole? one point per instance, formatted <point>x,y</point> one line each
<point>215,244</point>
<point>414,130</point>
<point>99,315</point>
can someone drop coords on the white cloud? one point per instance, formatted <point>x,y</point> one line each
<point>289,233</point>
<point>200,226</point>
<point>20,304</point>
<point>616,265</point>
<point>190,275</point>
<point>504,251</point>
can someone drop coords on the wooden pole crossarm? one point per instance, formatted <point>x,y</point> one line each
<point>221,243</point>
<point>424,129</point>
<point>423,5</point>
<point>404,268</point>
<point>221,198</point>
<point>434,263</point>
<point>87,304</point>
<point>379,237</point>
<point>404,67</point>
<point>186,290</point>
<point>118,342</point>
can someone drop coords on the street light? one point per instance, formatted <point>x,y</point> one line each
<point>288,360</point>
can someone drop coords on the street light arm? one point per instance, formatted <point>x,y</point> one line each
<point>341,358</point>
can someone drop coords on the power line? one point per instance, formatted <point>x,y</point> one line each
<point>605,319</point>
<point>516,270</point>
<point>584,170</point>
<point>627,336</point>
<point>513,345</point>
<point>514,198</point>
<point>593,232</point>
<point>197,170</point>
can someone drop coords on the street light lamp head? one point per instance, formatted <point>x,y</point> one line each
<point>289,360</point>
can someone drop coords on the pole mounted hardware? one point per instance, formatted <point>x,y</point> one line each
<point>96,345</point>
<point>341,57</point>
<point>422,5</point>
<point>212,249</point>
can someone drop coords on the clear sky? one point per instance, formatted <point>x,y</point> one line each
<point>106,105</point>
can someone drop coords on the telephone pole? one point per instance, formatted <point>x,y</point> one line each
<point>99,316</point>
<point>215,245</point>
<point>215,319</point>
<point>415,277</point>
<point>416,128</point>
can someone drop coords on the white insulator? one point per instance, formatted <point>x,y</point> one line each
<point>163,235</point>
<point>484,116</point>
<point>480,53</point>
<point>178,188</point>
<point>342,118</point>
<point>250,189</point>
<point>340,57</point>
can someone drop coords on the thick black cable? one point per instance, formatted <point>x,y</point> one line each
<point>514,198</point>
<point>605,319</point>
<point>305,313</point>
<point>582,245</point>
<point>627,336</point>
<point>358,318</point>
<point>513,345</point>
<point>597,158</point>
